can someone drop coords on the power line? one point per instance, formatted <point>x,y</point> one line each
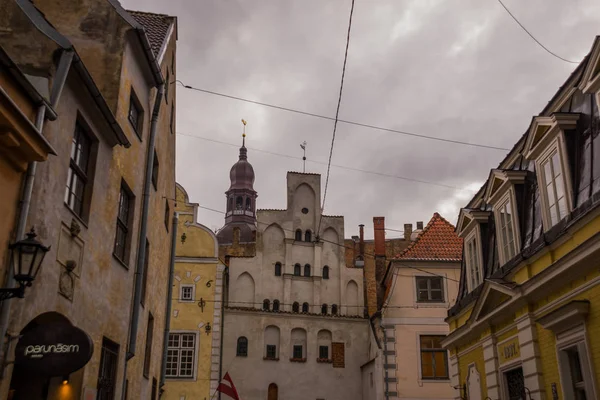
<point>485,146</point>
<point>333,165</point>
<point>533,37</point>
<point>337,113</point>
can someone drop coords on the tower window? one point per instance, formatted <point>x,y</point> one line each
<point>307,270</point>
<point>298,235</point>
<point>297,269</point>
<point>230,208</point>
<point>334,309</point>
<point>295,307</point>
<point>305,307</point>
<point>308,236</point>
<point>278,269</point>
<point>239,203</point>
<point>275,305</point>
<point>326,272</point>
<point>324,309</point>
<point>266,304</point>
<point>248,204</point>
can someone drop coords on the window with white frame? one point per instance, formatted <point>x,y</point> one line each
<point>430,289</point>
<point>554,187</point>
<point>474,271</point>
<point>572,369</point>
<point>505,222</point>
<point>187,292</point>
<point>181,355</point>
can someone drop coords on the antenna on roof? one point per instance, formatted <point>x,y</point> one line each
<point>303,146</point>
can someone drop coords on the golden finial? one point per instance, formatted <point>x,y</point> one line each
<point>244,134</point>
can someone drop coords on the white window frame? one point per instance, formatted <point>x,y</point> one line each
<point>508,197</point>
<point>442,303</point>
<point>574,337</point>
<point>474,236</point>
<point>196,348</point>
<point>187,285</point>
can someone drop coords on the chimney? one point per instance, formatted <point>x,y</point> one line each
<point>379,234</point>
<point>420,225</point>
<point>361,248</point>
<point>407,231</point>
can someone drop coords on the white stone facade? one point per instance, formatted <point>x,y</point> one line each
<point>289,268</point>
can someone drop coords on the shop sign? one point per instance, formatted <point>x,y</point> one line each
<point>509,350</point>
<point>54,349</point>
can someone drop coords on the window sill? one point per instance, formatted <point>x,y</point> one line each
<point>324,361</point>
<point>79,218</point>
<point>116,257</point>
<point>435,380</point>
<point>241,355</point>
<point>298,360</point>
<point>270,359</point>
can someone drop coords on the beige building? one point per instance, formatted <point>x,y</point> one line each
<point>422,284</point>
<point>104,203</point>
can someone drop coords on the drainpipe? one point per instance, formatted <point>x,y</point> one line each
<point>62,71</point>
<point>163,370</point>
<point>385,359</point>
<point>141,250</point>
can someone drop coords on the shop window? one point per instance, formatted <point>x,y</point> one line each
<point>430,289</point>
<point>434,358</point>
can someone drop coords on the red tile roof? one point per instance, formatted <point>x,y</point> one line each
<point>156,27</point>
<point>437,242</point>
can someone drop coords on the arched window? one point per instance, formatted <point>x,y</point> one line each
<point>326,272</point>
<point>271,343</point>
<point>308,236</point>
<point>239,203</point>
<point>230,206</point>
<point>277,269</point>
<point>275,305</point>
<point>242,347</point>
<point>324,309</point>
<point>297,269</point>
<point>304,307</point>
<point>248,204</point>
<point>298,339</point>
<point>298,235</point>
<point>324,344</point>
<point>266,304</point>
<point>334,309</point>
<point>295,307</point>
<point>307,270</point>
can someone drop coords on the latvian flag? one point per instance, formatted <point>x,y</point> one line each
<point>227,387</point>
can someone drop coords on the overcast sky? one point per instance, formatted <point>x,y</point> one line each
<point>457,69</point>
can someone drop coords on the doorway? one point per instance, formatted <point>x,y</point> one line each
<point>273,392</point>
<point>515,384</point>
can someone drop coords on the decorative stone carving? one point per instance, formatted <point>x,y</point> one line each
<point>473,383</point>
<point>66,283</point>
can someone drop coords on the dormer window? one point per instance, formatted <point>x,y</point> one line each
<point>554,187</point>
<point>469,228</point>
<point>474,270</point>
<point>504,220</point>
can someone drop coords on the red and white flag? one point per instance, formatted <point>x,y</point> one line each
<point>227,387</point>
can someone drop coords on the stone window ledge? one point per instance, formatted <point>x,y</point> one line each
<point>298,360</point>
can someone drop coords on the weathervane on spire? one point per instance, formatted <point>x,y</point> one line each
<point>303,146</point>
<point>244,134</point>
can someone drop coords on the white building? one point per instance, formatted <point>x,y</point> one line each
<point>294,325</point>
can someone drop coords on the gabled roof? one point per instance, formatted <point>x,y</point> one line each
<point>437,242</point>
<point>156,27</point>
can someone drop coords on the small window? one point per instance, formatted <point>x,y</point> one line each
<point>149,337</point>
<point>324,352</point>
<point>430,289</point>
<point>554,190</point>
<point>181,350</point>
<point>298,235</point>
<point>266,304</point>
<point>304,307</point>
<point>109,357</point>
<point>271,351</point>
<point>307,270</point>
<point>248,204</point>
<point>277,269</point>
<point>239,203</point>
<point>187,292</point>
<point>155,171</point>
<point>78,181</point>
<point>124,221</point>
<point>136,114</point>
<point>297,269</point>
<point>296,307</point>
<point>473,266</point>
<point>275,305</point>
<point>324,309</point>
<point>305,210</point>
<point>308,236</point>
<point>334,309</point>
<point>434,358</point>
<point>297,351</point>
<point>326,272</point>
<point>167,214</point>
<point>242,347</point>
<point>230,208</point>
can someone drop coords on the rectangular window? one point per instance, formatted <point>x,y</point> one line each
<point>434,358</point>
<point>77,180</point>
<point>167,214</point>
<point>136,114</point>
<point>297,351</point>
<point>271,351</point>
<point>180,355</point>
<point>149,337</point>
<point>124,221</point>
<point>576,378</point>
<point>554,188</point>
<point>473,266</point>
<point>107,373</point>
<point>145,276</point>
<point>324,352</point>
<point>430,289</point>
<point>155,171</point>
<point>507,232</point>
<point>154,388</point>
<point>187,293</point>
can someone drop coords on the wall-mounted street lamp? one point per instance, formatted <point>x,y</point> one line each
<point>25,259</point>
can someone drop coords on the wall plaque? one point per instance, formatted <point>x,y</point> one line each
<point>509,350</point>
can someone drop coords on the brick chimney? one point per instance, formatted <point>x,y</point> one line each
<point>420,225</point>
<point>379,234</point>
<point>407,231</point>
<point>361,246</point>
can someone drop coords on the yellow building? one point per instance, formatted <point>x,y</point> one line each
<point>194,345</point>
<point>526,322</point>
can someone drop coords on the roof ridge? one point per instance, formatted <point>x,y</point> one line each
<point>150,13</point>
<point>437,250</point>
